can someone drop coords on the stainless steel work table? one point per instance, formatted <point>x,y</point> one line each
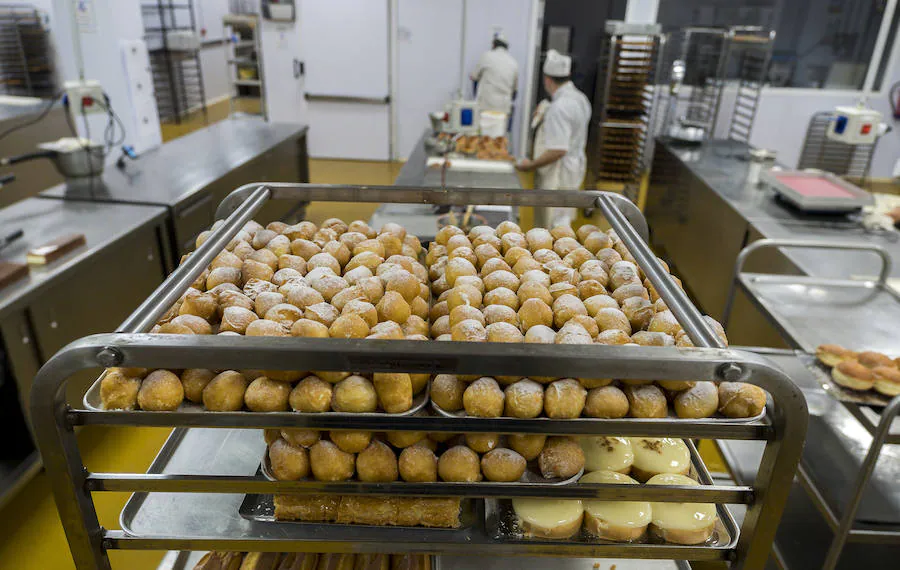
<point>88,290</point>
<point>420,220</point>
<point>190,175</point>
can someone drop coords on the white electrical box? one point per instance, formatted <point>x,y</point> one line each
<point>855,125</point>
<point>84,96</point>
<point>463,117</point>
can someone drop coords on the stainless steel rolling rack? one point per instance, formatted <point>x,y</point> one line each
<point>218,526</point>
<point>798,306</point>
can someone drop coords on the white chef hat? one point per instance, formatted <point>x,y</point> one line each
<point>499,36</point>
<point>557,64</point>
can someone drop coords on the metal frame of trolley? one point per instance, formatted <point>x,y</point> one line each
<point>783,428</point>
<point>758,288</point>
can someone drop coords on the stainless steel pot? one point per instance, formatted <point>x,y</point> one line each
<point>71,159</point>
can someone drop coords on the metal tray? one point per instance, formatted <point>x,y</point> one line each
<point>855,199</point>
<point>672,416</point>
<point>838,392</point>
<point>531,476</point>
<point>261,508</point>
<point>501,522</point>
<point>93,402</point>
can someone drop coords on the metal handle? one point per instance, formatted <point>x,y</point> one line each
<point>886,265</point>
<point>29,156</point>
<point>348,98</point>
<point>171,289</point>
<point>676,299</point>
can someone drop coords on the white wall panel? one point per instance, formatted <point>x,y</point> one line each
<point>428,44</point>
<point>348,130</point>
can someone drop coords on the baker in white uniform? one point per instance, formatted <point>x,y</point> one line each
<point>560,139</point>
<point>497,74</point>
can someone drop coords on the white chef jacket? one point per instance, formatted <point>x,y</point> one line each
<point>562,126</point>
<point>497,74</point>
<point>565,127</point>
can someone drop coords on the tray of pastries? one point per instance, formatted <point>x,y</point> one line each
<point>484,147</point>
<point>417,457</point>
<point>865,377</point>
<point>622,461</point>
<point>313,561</point>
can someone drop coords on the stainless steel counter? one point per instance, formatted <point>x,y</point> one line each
<point>190,175</point>
<point>421,219</point>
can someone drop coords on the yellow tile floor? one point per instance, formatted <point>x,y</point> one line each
<point>31,534</point>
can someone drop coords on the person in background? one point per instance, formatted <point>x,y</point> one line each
<point>560,139</point>
<point>497,74</point>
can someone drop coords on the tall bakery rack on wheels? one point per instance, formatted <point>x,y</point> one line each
<point>798,306</point>
<point>188,499</point>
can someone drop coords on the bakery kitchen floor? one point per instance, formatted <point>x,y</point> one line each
<point>31,535</point>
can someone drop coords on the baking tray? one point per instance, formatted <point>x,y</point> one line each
<point>93,402</point>
<point>531,476</point>
<point>261,509</point>
<point>854,199</point>
<point>822,374</point>
<point>672,416</point>
<point>501,522</point>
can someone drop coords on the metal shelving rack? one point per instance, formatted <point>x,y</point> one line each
<point>794,304</point>
<point>625,102</point>
<point>25,60</point>
<point>783,428</point>
<point>751,47</point>
<point>245,53</point>
<point>177,73</point>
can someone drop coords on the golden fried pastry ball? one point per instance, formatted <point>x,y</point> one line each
<point>596,241</point>
<point>461,313</point>
<point>647,338</point>
<point>501,278</point>
<point>526,265</point>
<point>444,234</point>
<point>606,402</point>
<point>622,273</point>
<point>698,401</point>
<point>612,337</point>
<point>504,332</point>
<point>577,258</point>
<point>329,463</point>
<point>675,385</point>
<point>486,252</point>
<point>562,273</point>
<point>502,464</point>
<point>225,392</point>
<point>367,259</point>
<point>418,464</point>
<point>540,334</point>
<point>585,322</point>
<point>587,288</point>
<point>457,242</point>
<point>301,437</point>
<point>118,391</point>
<point>404,283</point>
<point>363,309</point>
<point>311,395</point>
<point>194,381</point>
<point>469,330</point>
<point>288,462</point>
<point>563,231</point>
<point>394,391</point>
<point>739,400</point>
<point>565,245</point>
<point>438,310</point>
<point>506,227</point>
<point>544,256</point>
<point>630,290</point>
<point>262,237</point>
<point>664,322</point>
<point>447,392</point>
<point>329,286</point>
<point>608,318</point>
<point>304,248</point>
<point>482,442</point>
<point>538,238</point>
<point>533,312</point>
<point>402,439</point>
<point>323,236</point>
<point>265,327</point>
<point>527,445</point>
<point>493,264</point>
<point>251,269</point>
<point>351,293</point>
<point>265,301</point>
<point>524,399</point>
<point>393,307</point>
<point>361,227</point>
<point>349,326</point>
<point>285,314</point>
<point>301,296</point>
<point>502,296</point>
<point>323,313</point>
<point>415,326</point>
<point>639,312</point>
<point>161,391</point>
<point>271,435</point>
<point>309,328</point>
<point>463,295</point>
<point>500,314</point>
<point>484,398</point>
<point>597,302</point>
<point>338,251</point>
<point>564,399</point>
<point>572,333</point>
<point>266,256</point>
<point>267,395</point>
<point>228,298</point>
<point>388,330</point>
<point>566,307</point>
<point>458,267</point>
<point>354,394</point>
<point>440,326</point>
<point>199,304</point>
<point>562,458</point>
<point>471,280</point>
<point>225,259</point>
<point>512,255</point>
<point>608,256</point>
<point>534,290</point>
<point>557,290</point>
<point>377,463</point>
<point>357,274</point>
<point>459,464</point>
<point>372,246</point>
<point>193,323</point>
<point>646,401</point>
<point>594,269</point>
<point>511,240</point>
